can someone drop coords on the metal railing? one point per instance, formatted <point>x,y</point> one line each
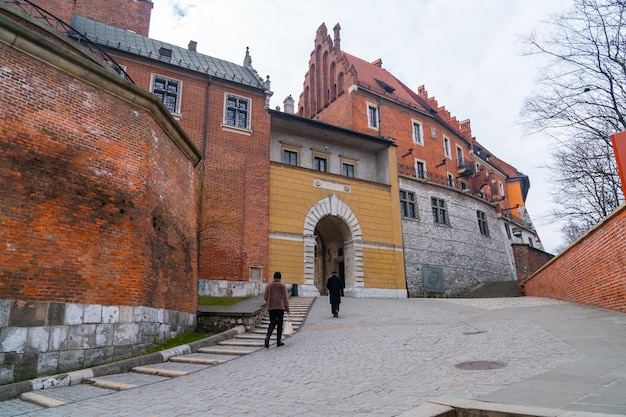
<point>48,18</point>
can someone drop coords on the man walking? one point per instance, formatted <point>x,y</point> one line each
<point>334,286</point>
<point>277,303</point>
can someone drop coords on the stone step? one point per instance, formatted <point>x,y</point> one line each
<point>241,342</point>
<point>226,350</point>
<point>41,400</point>
<point>201,359</point>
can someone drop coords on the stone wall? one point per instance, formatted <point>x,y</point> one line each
<point>46,338</point>
<point>466,257</point>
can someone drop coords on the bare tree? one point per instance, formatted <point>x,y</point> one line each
<point>580,101</point>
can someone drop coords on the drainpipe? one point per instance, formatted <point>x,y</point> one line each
<point>380,128</point>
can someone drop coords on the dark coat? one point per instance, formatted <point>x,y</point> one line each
<point>334,286</point>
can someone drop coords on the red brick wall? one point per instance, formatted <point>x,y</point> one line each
<point>528,260</point>
<point>592,271</point>
<point>235,231</point>
<point>96,201</point>
<point>126,14</point>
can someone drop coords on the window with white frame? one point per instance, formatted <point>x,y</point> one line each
<point>450,180</point>
<point>501,187</point>
<point>446,147</point>
<point>418,133</point>
<point>440,212</point>
<point>482,222</point>
<point>507,228</point>
<point>168,90</point>
<point>420,169</point>
<point>236,111</point>
<point>460,158</point>
<point>433,132</point>
<point>372,116</point>
<point>477,168</point>
<point>407,204</point>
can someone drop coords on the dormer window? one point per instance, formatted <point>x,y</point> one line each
<point>388,89</point>
<point>165,53</point>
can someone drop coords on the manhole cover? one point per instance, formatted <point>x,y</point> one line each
<point>480,365</point>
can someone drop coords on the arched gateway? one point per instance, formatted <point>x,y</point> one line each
<point>332,242</point>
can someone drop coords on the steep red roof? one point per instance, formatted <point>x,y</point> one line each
<point>375,78</point>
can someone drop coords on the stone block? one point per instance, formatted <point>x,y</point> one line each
<point>5,308</point>
<point>110,314</point>
<point>82,336</point>
<point>70,360</point>
<point>26,314</point>
<point>6,374</point>
<point>98,356</point>
<point>13,339</point>
<point>104,335</point>
<point>126,334</point>
<point>93,314</point>
<point>74,314</point>
<point>26,366</point>
<point>38,339</point>
<point>59,337</point>
<point>126,314</point>
<point>56,314</point>
<point>47,363</point>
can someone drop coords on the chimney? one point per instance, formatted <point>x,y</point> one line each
<point>192,45</point>
<point>378,63</point>
<point>288,104</point>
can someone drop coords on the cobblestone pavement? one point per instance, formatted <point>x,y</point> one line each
<point>381,357</point>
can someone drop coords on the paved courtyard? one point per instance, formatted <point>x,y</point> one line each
<point>382,357</point>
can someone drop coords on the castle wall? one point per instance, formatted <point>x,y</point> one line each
<point>97,209</point>
<point>466,257</point>
<point>591,271</point>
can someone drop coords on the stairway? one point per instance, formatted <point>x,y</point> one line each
<point>178,365</point>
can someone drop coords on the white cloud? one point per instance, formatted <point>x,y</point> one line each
<point>466,54</point>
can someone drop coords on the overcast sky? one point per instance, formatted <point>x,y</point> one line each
<point>466,53</point>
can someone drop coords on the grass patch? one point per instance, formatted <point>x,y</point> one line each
<point>183,339</point>
<point>219,301</point>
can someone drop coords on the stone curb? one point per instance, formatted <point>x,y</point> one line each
<point>451,407</point>
<point>14,390</point>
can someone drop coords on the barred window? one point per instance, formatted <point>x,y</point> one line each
<point>237,111</point>
<point>168,91</point>
<point>440,213</point>
<point>407,204</point>
<point>482,222</point>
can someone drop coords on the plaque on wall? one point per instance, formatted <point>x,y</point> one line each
<point>433,279</point>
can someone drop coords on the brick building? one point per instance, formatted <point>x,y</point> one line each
<point>461,206</point>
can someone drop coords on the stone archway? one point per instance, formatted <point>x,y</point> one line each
<point>332,210</point>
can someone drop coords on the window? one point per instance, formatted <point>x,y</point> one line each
<point>290,158</point>
<point>446,147</point>
<point>501,187</point>
<point>531,242</point>
<point>372,116</point>
<point>168,91</point>
<point>464,186</point>
<point>482,223</point>
<point>347,170</point>
<point>418,135</point>
<point>440,214</point>
<point>237,111</point>
<point>450,180</point>
<point>433,132</point>
<point>407,203</point>
<point>460,157</point>
<point>420,169</point>
<point>319,164</point>
<point>508,230</point>
<point>477,168</point>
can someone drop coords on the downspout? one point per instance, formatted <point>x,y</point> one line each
<point>380,128</point>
